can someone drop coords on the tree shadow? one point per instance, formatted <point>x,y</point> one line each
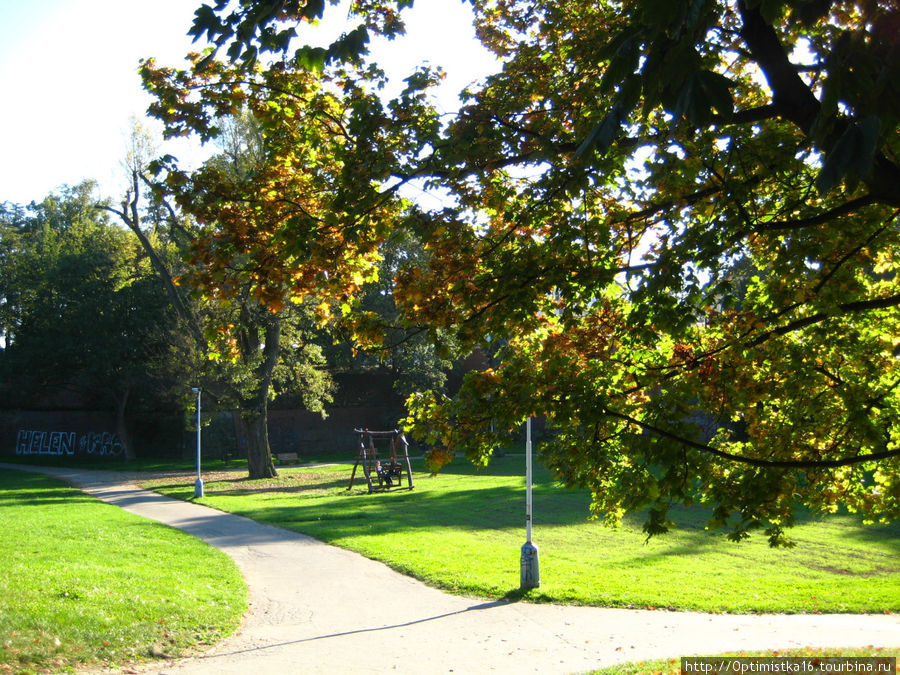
<point>496,507</point>
<point>49,498</point>
<point>24,487</point>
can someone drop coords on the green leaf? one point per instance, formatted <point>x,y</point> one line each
<point>234,51</point>
<point>703,91</point>
<point>205,21</point>
<point>692,102</point>
<point>866,145</point>
<point>603,134</point>
<point>311,58</point>
<point>854,152</point>
<point>314,9</point>
<point>659,13</point>
<point>350,46</point>
<point>623,62</point>
<point>718,90</point>
<point>771,10</point>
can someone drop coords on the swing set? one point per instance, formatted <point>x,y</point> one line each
<point>383,477</point>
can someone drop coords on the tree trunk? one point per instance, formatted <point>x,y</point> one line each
<point>259,456</point>
<point>255,409</point>
<point>122,428</point>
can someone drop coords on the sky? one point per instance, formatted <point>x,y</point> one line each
<point>69,86</point>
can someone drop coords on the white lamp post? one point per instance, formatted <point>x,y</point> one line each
<point>198,485</point>
<point>530,567</point>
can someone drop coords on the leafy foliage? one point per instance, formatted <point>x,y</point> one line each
<point>613,186</point>
<point>418,359</point>
<point>81,310</point>
<point>291,216</point>
<point>258,28</point>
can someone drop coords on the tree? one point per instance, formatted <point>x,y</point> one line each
<point>417,358</point>
<point>242,352</point>
<point>606,182</point>
<point>285,138</point>
<point>11,218</point>
<point>81,309</point>
<point>270,350</point>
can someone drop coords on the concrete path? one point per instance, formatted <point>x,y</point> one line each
<point>315,608</point>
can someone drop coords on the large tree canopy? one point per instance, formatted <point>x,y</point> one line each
<point>79,309</point>
<point>261,290</point>
<point>680,221</point>
<point>291,219</point>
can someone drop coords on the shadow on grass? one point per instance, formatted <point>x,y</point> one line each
<point>21,488</point>
<point>49,497</point>
<point>330,518</point>
<point>517,595</point>
<point>499,466</point>
<point>686,518</point>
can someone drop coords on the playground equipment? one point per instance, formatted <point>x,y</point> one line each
<point>388,474</point>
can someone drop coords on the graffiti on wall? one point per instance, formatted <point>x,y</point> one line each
<point>90,444</point>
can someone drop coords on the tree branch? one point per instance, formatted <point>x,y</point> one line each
<point>748,116</point>
<point>795,101</point>
<point>821,219</point>
<point>134,224</point>
<point>846,308</point>
<point>754,461</point>
<point>791,97</point>
<point>850,254</point>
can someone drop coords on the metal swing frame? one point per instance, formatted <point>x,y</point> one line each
<point>380,477</point>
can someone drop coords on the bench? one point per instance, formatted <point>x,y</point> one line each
<point>287,457</point>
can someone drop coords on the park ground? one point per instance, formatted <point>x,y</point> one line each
<point>450,513</point>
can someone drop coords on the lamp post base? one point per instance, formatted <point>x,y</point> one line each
<point>198,488</point>
<point>530,568</point>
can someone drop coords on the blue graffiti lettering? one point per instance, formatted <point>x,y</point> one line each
<point>66,443</point>
<point>32,442</point>
<point>23,441</point>
<point>37,437</point>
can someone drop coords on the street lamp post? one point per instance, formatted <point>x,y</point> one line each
<point>198,484</point>
<point>530,568</point>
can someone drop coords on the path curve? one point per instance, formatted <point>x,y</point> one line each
<point>315,608</point>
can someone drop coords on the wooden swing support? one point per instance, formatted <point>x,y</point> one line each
<point>382,477</point>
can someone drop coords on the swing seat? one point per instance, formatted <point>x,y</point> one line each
<point>383,478</point>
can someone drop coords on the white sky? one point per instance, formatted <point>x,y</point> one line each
<point>69,83</point>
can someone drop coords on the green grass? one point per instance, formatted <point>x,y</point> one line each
<point>673,666</point>
<point>462,531</point>
<point>86,583</point>
<point>119,464</point>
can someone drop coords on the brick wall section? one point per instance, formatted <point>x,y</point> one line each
<point>91,428</point>
<point>298,431</point>
<point>362,400</point>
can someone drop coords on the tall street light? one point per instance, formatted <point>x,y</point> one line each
<point>530,568</point>
<point>198,485</point>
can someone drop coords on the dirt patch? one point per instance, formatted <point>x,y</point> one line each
<point>874,572</point>
<point>238,482</point>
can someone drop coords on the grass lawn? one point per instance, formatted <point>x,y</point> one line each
<point>86,583</point>
<point>462,531</point>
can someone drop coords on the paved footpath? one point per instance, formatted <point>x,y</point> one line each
<point>315,608</point>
